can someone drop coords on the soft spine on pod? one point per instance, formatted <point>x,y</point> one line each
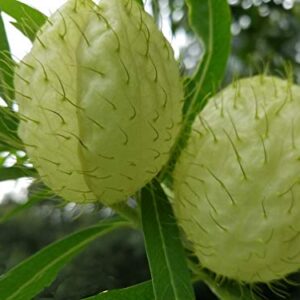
<point>237,183</point>
<point>100,100</point>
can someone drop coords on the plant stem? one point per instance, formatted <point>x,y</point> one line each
<point>127,212</point>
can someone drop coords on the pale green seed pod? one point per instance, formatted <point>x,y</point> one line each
<point>237,185</point>
<point>100,100</point>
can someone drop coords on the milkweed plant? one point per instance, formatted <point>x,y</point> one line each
<point>105,115</point>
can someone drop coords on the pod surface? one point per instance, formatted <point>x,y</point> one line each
<point>100,100</point>
<point>237,191</point>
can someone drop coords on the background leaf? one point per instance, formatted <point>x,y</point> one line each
<point>6,66</point>
<point>28,19</point>
<point>9,139</point>
<point>33,199</point>
<point>228,290</point>
<point>142,291</point>
<point>16,172</point>
<point>231,291</point>
<point>211,21</point>
<point>166,256</point>
<point>140,2</point>
<point>31,276</point>
<point>8,119</point>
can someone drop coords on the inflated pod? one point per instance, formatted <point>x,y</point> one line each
<point>100,100</point>
<point>237,184</point>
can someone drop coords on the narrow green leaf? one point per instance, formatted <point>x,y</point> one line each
<point>142,291</point>
<point>29,20</point>
<point>34,199</point>
<point>232,292</point>
<point>170,275</point>
<point>31,276</point>
<point>8,130</point>
<point>211,21</point>
<point>6,66</point>
<point>16,172</point>
<point>140,2</point>
<point>229,290</point>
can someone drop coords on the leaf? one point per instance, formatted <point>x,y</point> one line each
<point>29,20</point>
<point>6,66</point>
<point>230,290</point>
<point>16,172</point>
<point>140,2</point>
<point>33,199</point>
<point>9,139</point>
<point>211,21</point>
<point>168,266</point>
<point>142,291</point>
<point>31,276</point>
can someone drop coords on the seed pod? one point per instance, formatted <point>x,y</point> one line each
<point>237,185</point>
<point>99,99</point>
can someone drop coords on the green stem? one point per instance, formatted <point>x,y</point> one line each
<point>127,212</point>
